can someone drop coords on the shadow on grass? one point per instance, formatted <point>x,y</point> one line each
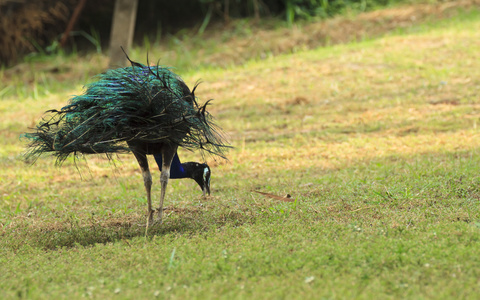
<point>179,221</point>
<point>392,190</point>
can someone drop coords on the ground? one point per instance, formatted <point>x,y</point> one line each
<point>376,141</point>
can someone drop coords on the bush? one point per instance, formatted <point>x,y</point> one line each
<point>291,9</point>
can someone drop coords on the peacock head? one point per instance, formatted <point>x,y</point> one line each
<point>201,174</point>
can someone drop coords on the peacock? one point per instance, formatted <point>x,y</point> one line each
<point>146,110</point>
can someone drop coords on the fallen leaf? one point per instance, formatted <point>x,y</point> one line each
<point>288,198</point>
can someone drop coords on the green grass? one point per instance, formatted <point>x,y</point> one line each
<point>376,140</point>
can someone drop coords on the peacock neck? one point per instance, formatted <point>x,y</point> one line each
<point>177,169</point>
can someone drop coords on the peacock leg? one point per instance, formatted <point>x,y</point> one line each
<point>168,152</point>
<point>147,181</point>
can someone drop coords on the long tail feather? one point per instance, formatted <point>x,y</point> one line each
<point>137,103</point>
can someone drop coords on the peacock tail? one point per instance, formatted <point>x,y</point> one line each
<point>138,103</point>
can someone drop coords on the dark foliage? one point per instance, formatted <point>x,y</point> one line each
<point>34,25</point>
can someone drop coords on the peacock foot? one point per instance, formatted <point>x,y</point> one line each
<point>150,221</point>
<point>159,216</point>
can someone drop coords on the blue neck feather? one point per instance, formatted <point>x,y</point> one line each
<point>176,169</point>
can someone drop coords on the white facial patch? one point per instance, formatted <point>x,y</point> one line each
<point>205,172</point>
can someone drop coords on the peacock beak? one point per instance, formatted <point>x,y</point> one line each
<point>207,188</point>
<point>206,181</point>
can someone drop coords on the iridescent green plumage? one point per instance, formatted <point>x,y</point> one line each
<point>138,103</point>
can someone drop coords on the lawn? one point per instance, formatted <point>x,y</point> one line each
<point>376,140</point>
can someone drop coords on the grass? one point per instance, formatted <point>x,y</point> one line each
<point>376,141</point>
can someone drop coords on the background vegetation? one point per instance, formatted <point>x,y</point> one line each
<point>374,137</point>
<point>36,26</point>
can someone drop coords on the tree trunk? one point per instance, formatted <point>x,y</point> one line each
<point>123,26</point>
